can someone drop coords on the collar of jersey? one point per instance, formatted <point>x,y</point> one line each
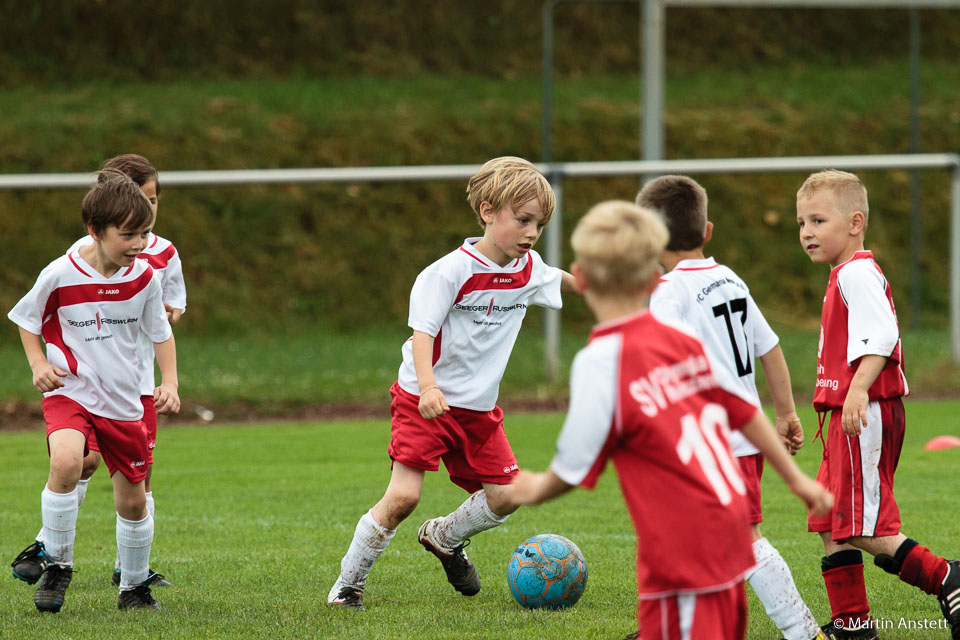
<point>857,255</point>
<point>467,248</point>
<point>694,264</point>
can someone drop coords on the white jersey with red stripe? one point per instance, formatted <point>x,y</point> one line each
<point>474,308</point>
<point>858,319</point>
<point>90,324</point>
<point>716,303</point>
<point>163,257</point>
<point>644,395</point>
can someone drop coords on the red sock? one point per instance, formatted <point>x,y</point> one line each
<point>924,570</point>
<point>847,593</point>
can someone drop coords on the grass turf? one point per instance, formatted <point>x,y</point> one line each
<point>252,522</point>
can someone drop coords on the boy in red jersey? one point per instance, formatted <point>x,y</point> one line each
<point>163,257</point>
<point>465,311</point>
<point>645,395</point>
<point>860,384</point>
<point>90,306</point>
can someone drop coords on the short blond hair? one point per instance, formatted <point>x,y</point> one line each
<point>849,193</point>
<point>510,181</point>
<point>618,246</point>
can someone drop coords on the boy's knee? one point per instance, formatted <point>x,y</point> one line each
<point>398,505</point>
<point>90,464</point>
<point>500,499</point>
<point>131,507</point>
<point>65,467</point>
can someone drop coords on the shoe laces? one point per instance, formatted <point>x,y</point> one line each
<point>34,550</point>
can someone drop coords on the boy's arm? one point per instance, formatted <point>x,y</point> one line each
<point>46,377</point>
<point>854,414</point>
<point>778,378</point>
<point>567,283</point>
<point>530,488</point>
<point>173,314</point>
<point>818,500</point>
<point>166,398</point>
<point>432,402</point>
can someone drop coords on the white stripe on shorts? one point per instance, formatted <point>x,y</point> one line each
<point>871,440</point>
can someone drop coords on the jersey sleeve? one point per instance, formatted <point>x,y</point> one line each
<point>548,293</point>
<point>665,303</point>
<point>764,338</point>
<point>174,289</point>
<point>871,323</point>
<point>29,311</point>
<point>431,298</point>
<point>154,322</point>
<point>581,451</point>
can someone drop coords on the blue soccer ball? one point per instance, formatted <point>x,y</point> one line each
<point>547,571</point>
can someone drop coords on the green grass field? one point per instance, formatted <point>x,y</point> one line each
<point>252,522</point>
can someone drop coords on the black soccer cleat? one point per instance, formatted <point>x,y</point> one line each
<point>950,598</point>
<point>30,563</point>
<point>52,588</point>
<point>460,571</point>
<point>866,631</point>
<point>155,579</point>
<point>138,598</point>
<point>347,597</point>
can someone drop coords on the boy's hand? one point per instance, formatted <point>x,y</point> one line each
<point>818,500</point>
<point>854,414</point>
<point>433,404</point>
<point>173,314</point>
<point>791,432</point>
<point>46,377</point>
<point>166,399</point>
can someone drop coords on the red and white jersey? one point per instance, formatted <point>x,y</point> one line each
<point>643,394</point>
<point>713,300</point>
<point>858,319</point>
<point>163,257</point>
<point>90,324</point>
<point>474,308</point>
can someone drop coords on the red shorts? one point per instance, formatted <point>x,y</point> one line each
<point>718,615</point>
<point>472,444</point>
<point>859,470</point>
<point>149,419</point>
<point>123,444</point>
<point>751,468</point>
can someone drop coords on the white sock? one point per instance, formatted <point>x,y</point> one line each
<point>82,491</point>
<point>370,539</point>
<point>471,517</point>
<point>40,538</point>
<point>150,508</point>
<point>772,582</point>
<point>134,538</point>
<point>59,512</point>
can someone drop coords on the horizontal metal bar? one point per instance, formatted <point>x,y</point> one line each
<point>248,177</point>
<point>824,4</point>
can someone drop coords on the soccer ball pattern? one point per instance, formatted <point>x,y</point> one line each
<point>547,571</point>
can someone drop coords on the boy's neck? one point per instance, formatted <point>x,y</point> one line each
<point>670,259</point>
<point>95,257</point>
<point>854,246</point>
<point>610,308</point>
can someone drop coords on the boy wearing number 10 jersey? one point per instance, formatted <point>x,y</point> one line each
<point>711,299</point>
<point>646,395</point>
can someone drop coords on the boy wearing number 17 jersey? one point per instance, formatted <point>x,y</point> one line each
<point>711,298</point>
<point>646,396</point>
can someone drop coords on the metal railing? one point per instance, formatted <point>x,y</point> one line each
<point>558,172</point>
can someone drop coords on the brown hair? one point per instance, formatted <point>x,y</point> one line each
<point>115,200</point>
<point>849,193</point>
<point>510,181</point>
<point>682,203</point>
<point>618,246</point>
<point>136,167</point>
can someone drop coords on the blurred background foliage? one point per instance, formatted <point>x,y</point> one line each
<point>248,84</point>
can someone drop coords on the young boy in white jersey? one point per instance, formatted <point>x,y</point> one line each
<point>89,307</point>
<point>465,312</point>
<point>860,385</point>
<point>163,257</point>
<point>713,300</point>
<point>646,395</point>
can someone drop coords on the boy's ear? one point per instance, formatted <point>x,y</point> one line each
<point>92,232</point>
<point>858,222</point>
<point>707,233</point>
<point>579,278</point>
<point>655,279</point>
<point>487,212</point>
